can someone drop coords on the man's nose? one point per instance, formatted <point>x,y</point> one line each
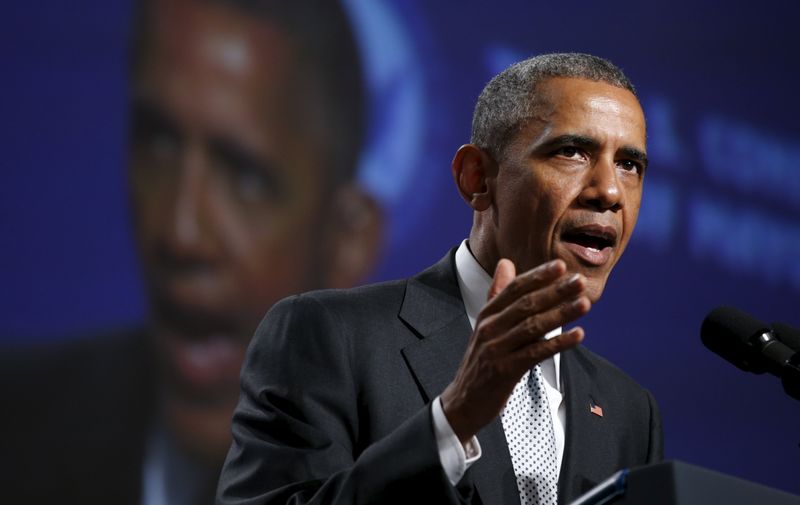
<point>602,190</point>
<point>188,233</point>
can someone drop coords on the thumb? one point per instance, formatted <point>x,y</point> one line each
<point>504,273</point>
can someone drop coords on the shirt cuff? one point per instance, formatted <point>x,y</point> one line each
<point>454,457</point>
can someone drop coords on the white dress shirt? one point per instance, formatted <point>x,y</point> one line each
<point>474,283</point>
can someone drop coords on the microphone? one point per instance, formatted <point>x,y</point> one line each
<point>752,346</point>
<point>788,335</point>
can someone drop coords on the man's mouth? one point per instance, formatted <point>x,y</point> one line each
<point>204,367</point>
<point>202,348</point>
<point>592,244</point>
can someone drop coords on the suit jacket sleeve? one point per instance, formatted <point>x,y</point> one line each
<point>296,432</point>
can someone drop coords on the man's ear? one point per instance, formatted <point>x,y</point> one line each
<point>472,168</point>
<point>354,233</point>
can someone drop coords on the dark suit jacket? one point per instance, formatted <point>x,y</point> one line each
<point>335,404</point>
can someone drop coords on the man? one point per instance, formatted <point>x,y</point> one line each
<point>422,390</point>
<point>246,127</point>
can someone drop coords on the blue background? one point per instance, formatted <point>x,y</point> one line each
<point>720,221</point>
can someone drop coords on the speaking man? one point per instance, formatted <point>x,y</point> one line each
<point>458,384</point>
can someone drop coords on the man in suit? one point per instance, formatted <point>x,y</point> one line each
<point>422,390</point>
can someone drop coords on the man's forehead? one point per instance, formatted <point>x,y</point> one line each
<point>584,108</point>
<point>235,42</point>
<point>558,93</point>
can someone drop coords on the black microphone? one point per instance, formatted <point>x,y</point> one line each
<point>788,335</point>
<point>752,346</point>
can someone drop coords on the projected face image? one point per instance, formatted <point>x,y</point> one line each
<point>570,185</point>
<point>227,199</point>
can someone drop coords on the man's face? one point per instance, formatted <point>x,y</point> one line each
<point>570,183</point>
<point>227,190</point>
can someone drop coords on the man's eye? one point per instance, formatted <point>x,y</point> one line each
<point>153,134</point>
<point>252,184</point>
<point>568,151</point>
<point>251,179</point>
<point>631,166</point>
<point>159,143</point>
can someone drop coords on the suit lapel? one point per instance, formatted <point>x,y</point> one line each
<point>582,458</point>
<point>434,310</point>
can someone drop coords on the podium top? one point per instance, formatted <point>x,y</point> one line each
<point>678,483</point>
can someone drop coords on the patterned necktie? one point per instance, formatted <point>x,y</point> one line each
<point>531,441</point>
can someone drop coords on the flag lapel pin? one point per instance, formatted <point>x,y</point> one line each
<point>595,409</point>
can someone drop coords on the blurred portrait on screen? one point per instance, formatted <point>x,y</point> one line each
<point>246,122</point>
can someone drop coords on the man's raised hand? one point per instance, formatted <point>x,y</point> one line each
<point>508,339</point>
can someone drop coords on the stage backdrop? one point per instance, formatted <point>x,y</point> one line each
<point>720,222</point>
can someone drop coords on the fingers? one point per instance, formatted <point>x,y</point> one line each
<point>538,351</point>
<point>504,273</point>
<point>511,290</point>
<point>535,313</point>
<point>531,329</point>
<point>548,308</point>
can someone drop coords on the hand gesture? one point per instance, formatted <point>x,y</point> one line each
<point>508,339</point>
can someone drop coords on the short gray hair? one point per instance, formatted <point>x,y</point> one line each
<point>508,102</point>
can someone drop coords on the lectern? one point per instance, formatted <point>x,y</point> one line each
<point>677,483</point>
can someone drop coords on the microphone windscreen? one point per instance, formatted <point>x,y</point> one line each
<point>788,335</point>
<point>727,331</point>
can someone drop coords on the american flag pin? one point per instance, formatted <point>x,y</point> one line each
<point>595,409</point>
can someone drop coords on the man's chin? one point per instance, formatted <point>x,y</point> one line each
<point>202,431</point>
<point>595,287</point>
<point>596,274</point>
